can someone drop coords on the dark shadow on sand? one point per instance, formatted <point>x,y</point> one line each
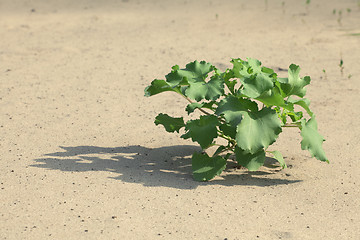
<point>165,166</point>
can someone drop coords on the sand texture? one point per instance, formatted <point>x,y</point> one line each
<point>81,158</point>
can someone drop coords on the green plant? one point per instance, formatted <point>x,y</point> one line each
<point>341,66</point>
<point>340,17</point>
<point>325,75</point>
<point>243,111</point>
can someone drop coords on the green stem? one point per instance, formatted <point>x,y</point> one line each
<point>225,149</point>
<point>200,109</point>
<point>229,139</point>
<point>291,125</point>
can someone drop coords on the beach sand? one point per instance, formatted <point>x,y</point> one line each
<point>81,158</point>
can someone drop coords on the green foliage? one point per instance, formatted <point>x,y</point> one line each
<point>205,167</point>
<point>246,105</point>
<point>171,124</point>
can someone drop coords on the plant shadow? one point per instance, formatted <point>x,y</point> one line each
<point>165,166</point>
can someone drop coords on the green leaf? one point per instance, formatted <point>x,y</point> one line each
<point>193,82</point>
<point>232,108</point>
<point>219,150</point>
<point>312,140</point>
<point>193,106</point>
<point>303,102</point>
<point>258,130</point>
<point>295,116</point>
<point>228,130</point>
<point>251,161</point>
<point>278,156</point>
<point>159,86</point>
<point>273,97</point>
<point>171,124</point>
<point>230,84</point>
<point>211,90</point>
<point>193,72</point>
<point>190,108</point>
<point>203,130</point>
<point>294,85</point>
<point>255,79</point>
<point>206,168</point>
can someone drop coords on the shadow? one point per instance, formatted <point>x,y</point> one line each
<point>165,166</point>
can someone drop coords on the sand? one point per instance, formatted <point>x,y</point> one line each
<point>81,158</point>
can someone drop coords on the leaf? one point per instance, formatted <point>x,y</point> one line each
<point>251,161</point>
<point>190,108</point>
<point>232,108</point>
<point>295,116</point>
<point>193,82</point>
<point>278,156</point>
<point>193,72</point>
<point>193,106</point>
<point>219,150</point>
<point>203,130</point>
<point>258,130</point>
<point>171,124</point>
<point>206,168</point>
<point>255,79</point>
<point>228,130</point>
<point>159,86</point>
<point>303,102</point>
<point>211,90</point>
<point>230,84</point>
<point>312,140</point>
<point>273,97</point>
<point>294,85</point>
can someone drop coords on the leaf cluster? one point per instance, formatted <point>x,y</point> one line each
<point>247,105</point>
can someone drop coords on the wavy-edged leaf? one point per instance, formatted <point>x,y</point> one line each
<point>171,124</point>
<point>210,90</point>
<point>228,130</point>
<point>278,156</point>
<point>294,85</point>
<point>251,161</point>
<point>193,72</point>
<point>273,97</point>
<point>206,168</point>
<point>256,80</point>
<point>203,130</point>
<point>158,86</point>
<point>303,102</point>
<point>312,140</point>
<point>232,108</point>
<point>229,83</point>
<point>258,130</point>
<point>195,105</point>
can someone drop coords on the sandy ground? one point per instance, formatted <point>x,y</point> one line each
<point>80,157</point>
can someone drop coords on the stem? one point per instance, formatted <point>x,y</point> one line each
<point>291,125</point>
<point>226,149</point>
<point>200,109</point>
<point>229,139</point>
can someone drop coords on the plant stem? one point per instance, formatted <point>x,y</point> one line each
<point>229,139</point>
<point>291,125</point>
<point>200,109</point>
<point>225,149</point>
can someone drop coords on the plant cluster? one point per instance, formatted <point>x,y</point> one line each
<point>246,106</point>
